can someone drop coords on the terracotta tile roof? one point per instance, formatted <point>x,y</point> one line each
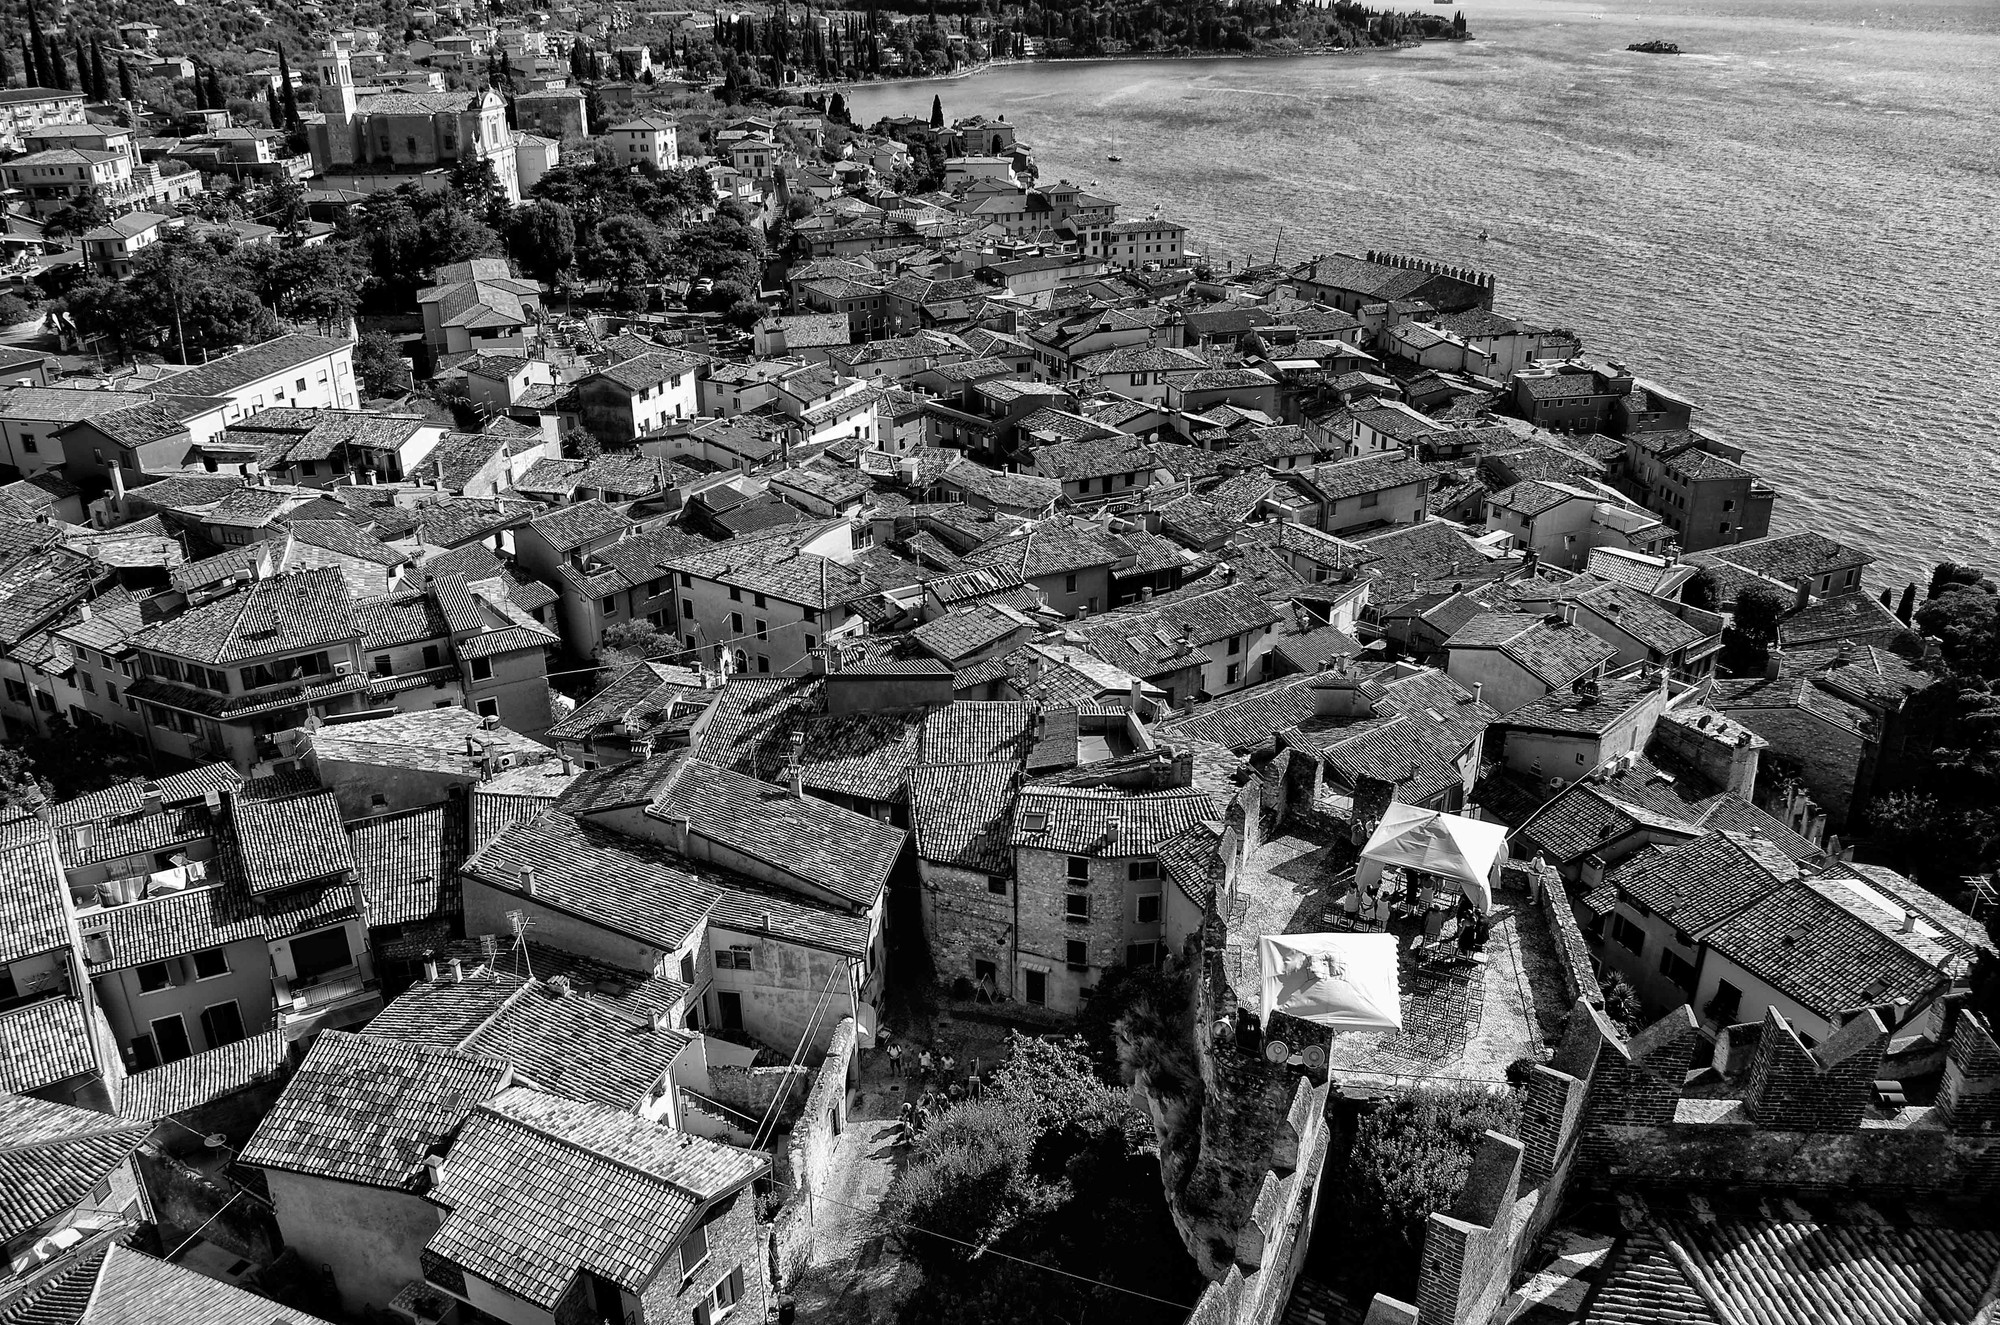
<point>42,1043</point>
<point>406,863</point>
<point>367,1110</point>
<point>1553,654</point>
<point>846,853</point>
<point>978,732</point>
<point>1802,1261</point>
<point>558,1037</point>
<point>34,901</point>
<point>1147,641</point>
<point>288,613</point>
<point>752,910</point>
<point>569,527</point>
<point>644,693</point>
<point>749,726</point>
<point>612,880</point>
<point>1643,1285</point>
<point>1567,711</point>
<point>1821,954</point>
<point>1702,882</point>
<point>540,1189</point>
<point>285,843</point>
<point>1074,820</point>
<point>129,1287</point>
<point>171,924</point>
<point>52,1156</point>
<point>399,618</point>
<point>1791,557</point>
<point>1250,719</point>
<point>959,814</point>
<point>202,1078</point>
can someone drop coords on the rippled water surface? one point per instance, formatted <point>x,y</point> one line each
<point>1795,222</point>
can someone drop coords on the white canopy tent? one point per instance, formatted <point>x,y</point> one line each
<point>1344,981</point>
<point>1466,851</point>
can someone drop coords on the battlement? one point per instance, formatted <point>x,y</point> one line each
<point>1805,1120</point>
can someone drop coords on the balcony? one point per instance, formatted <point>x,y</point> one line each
<point>338,998</point>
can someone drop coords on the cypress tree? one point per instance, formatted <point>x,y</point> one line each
<point>29,76</point>
<point>83,83</point>
<point>937,112</point>
<point>291,94</point>
<point>101,86</point>
<point>216,99</point>
<point>38,69</point>
<point>58,71</point>
<point>125,81</point>
<point>5,73</point>
<point>272,108</point>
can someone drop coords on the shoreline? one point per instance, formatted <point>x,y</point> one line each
<point>987,66</point>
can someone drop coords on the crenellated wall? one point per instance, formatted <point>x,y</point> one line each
<point>1608,1109</point>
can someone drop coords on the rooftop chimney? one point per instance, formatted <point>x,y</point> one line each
<point>568,765</point>
<point>431,971</point>
<point>1113,826</point>
<point>150,797</point>
<point>530,884</point>
<point>457,970</point>
<point>1477,688</point>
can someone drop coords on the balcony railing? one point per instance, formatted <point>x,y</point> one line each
<point>311,996</point>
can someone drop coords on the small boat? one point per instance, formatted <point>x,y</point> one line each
<point>1114,157</point>
<point>1482,236</point>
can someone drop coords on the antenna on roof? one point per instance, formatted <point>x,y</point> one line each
<point>522,922</point>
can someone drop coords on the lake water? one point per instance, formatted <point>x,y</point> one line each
<point>1797,223</point>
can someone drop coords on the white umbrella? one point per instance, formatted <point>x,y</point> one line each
<point>1344,981</point>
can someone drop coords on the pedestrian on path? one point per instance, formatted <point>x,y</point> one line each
<point>895,1060</point>
<point>924,1063</point>
<point>947,1063</point>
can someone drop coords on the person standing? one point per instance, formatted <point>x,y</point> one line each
<point>895,1060</point>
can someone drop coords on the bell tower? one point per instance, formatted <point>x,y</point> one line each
<point>336,82</point>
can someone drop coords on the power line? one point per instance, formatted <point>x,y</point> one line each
<point>1008,1256</point>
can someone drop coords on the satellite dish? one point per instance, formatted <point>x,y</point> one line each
<point>1277,1051</point>
<point>215,1141</point>
<point>1221,1031</point>
<point>1314,1056</point>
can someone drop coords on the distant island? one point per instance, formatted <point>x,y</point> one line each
<point>1655,48</point>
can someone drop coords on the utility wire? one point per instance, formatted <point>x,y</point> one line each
<point>1007,1256</point>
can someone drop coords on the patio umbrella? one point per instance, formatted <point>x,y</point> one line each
<point>1344,981</point>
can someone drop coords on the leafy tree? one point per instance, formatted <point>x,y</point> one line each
<point>1411,1158</point>
<point>14,309</point>
<point>1965,618</point>
<point>1753,627</point>
<point>1051,1166</point>
<point>1948,574</point>
<point>580,444</point>
<point>624,642</point>
<point>73,761</point>
<point>380,365</point>
<point>1700,590</point>
<point>22,788</point>
<point>82,213</point>
<point>541,235</point>
<point>628,253</point>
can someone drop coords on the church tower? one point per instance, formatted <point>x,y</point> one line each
<point>336,82</point>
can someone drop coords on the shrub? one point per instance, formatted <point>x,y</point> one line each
<point>15,309</point>
<point>1411,1157</point>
